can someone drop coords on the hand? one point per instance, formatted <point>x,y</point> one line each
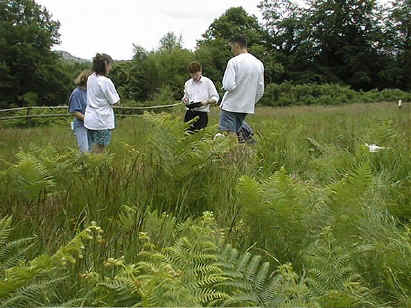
<point>185,100</point>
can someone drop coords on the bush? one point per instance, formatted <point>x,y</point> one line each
<point>287,94</point>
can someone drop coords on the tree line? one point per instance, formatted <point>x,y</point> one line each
<point>361,44</point>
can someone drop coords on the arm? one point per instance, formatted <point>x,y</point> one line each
<point>186,97</point>
<point>111,93</point>
<point>229,77</point>
<point>213,96</point>
<point>260,86</point>
<point>75,106</point>
<point>78,115</point>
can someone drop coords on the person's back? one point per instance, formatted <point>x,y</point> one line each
<point>245,89</point>
<point>244,85</point>
<point>101,96</point>
<point>96,86</point>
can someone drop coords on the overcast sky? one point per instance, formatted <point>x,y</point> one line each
<point>90,26</point>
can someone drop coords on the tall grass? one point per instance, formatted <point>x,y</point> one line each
<point>308,193</point>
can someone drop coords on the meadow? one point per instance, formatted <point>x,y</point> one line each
<point>306,217</point>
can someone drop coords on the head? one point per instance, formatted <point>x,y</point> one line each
<point>195,70</point>
<point>238,45</point>
<point>102,64</point>
<point>81,79</point>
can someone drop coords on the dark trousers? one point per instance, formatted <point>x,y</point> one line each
<point>200,123</point>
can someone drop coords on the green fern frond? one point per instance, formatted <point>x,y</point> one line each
<point>5,229</point>
<point>23,275</point>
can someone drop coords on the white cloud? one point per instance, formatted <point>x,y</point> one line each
<point>90,26</point>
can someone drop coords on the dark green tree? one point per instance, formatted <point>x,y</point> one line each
<point>344,33</point>
<point>398,24</point>
<point>286,29</point>
<point>28,67</point>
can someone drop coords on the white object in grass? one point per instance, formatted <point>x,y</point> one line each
<point>218,135</point>
<point>400,103</point>
<point>72,125</point>
<point>374,147</point>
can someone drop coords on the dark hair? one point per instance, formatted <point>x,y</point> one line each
<point>194,67</point>
<point>240,40</point>
<point>99,63</point>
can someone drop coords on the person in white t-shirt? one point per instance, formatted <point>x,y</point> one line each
<point>244,85</point>
<point>199,93</point>
<point>101,96</point>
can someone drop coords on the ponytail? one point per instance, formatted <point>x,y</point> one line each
<point>99,63</point>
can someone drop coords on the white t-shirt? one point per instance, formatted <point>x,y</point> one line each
<point>244,83</point>
<point>198,91</point>
<point>101,95</point>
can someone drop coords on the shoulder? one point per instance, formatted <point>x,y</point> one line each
<point>77,92</point>
<point>258,61</point>
<point>207,80</point>
<point>233,60</point>
<point>92,77</point>
<point>105,81</point>
<point>188,82</point>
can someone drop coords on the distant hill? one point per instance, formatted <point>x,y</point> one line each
<point>69,57</point>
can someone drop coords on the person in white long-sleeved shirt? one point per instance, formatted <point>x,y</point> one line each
<point>201,91</point>
<point>244,85</point>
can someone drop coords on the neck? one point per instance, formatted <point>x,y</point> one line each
<point>243,51</point>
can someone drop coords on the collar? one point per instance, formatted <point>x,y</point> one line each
<point>199,81</point>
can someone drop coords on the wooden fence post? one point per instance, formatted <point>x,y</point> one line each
<point>28,118</point>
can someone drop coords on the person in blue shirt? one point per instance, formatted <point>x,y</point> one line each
<point>77,107</point>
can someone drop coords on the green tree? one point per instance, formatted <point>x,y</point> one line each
<point>398,24</point>
<point>213,50</point>
<point>330,41</point>
<point>171,41</point>
<point>285,24</point>
<point>233,22</point>
<point>344,34</point>
<point>148,73</point>
<point>27,66</point>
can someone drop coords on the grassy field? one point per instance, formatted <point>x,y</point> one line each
<point>307,217</point>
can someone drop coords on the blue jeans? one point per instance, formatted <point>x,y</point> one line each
<point>231,121</point>
<point>83,139</point>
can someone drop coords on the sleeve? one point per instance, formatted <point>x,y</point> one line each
<point>212,92</point>
<point>260,85</point>
<point>186,92</point>
<point>111,92</point>
<point>75,103</point>
<point>229,77</point>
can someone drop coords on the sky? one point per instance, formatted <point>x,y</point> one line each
<point>91,26</point>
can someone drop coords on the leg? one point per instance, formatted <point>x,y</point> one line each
<point>230,122</point>
<point>239,119</point>
<point>202,120</point>
<point>101,138</point>
<point>196,125</point>
<point>227,122</point>
<point>98,149</point>
<point>247,133</point>
<point>90,140</point>
<point>82,139</point>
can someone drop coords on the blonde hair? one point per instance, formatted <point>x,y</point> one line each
<point>81,79</point>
